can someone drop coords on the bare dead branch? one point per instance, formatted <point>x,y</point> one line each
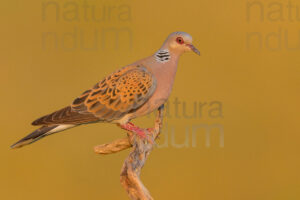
<point>130,173</point>
<point>113,147</point>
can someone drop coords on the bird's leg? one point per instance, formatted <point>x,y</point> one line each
<point>142,133</point>
<point>133,128</point>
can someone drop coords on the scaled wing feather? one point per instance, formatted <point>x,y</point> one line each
<point>118,94</point>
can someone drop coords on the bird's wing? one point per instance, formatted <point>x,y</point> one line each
<point>118,94</point>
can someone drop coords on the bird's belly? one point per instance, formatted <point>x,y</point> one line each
<point>151,105</point>
<point>159,97</point>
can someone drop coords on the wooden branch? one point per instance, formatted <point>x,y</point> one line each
<point>130,173</point>
<point>113,147</point>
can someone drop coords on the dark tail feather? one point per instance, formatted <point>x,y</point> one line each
<point>34,136</point>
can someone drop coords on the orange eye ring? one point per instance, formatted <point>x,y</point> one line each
<point>179,40</point>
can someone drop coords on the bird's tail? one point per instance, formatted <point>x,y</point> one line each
<point>39,134</point>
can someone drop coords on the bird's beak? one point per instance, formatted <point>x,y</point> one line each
<point>193,48</point>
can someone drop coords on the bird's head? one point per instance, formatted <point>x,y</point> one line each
<point>180,42</point>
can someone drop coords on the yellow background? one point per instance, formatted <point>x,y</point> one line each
<point>258,88</point>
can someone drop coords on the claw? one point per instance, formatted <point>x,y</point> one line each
<point>131,123</point>
<point>151,130</point>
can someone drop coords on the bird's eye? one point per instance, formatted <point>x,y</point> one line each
<point>179,40</point>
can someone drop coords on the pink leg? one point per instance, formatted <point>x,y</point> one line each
<point>131,127</point>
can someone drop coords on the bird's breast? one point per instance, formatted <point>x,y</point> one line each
<point>165,76</point>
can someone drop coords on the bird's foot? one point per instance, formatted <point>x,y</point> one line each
<point>141,133</point>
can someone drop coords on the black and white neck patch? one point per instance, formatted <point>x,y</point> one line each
<point>162,55</point>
